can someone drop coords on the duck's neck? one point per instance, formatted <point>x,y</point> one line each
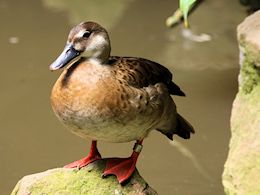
<point>100,56</point>
<point>99,51</point>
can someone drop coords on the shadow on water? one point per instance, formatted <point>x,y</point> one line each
<point>33,34</point>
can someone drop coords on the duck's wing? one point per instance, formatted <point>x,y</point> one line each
<point>140,72</point>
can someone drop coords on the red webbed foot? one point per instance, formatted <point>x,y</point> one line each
<point>123,168</point>
<point>92,156</point>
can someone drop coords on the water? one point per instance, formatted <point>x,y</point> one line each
<point>34,32</point>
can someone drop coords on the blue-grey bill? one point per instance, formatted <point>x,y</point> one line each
<point>67,55</point>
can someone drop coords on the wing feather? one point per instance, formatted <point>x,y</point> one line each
<point>140,72</point>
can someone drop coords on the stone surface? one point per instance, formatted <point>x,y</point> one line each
<point>248,33</point>
<point>87,180</point>
<point>242,168</point>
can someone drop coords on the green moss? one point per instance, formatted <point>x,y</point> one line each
<point>250,70</point>
<point>250,75</point>
<point>242,168</point>
<point>87,180</point>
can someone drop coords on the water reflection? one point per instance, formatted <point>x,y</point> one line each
<point>33,34</point>
<point>101,11</point>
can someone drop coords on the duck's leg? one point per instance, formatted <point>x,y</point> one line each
<point>123,168</point>
<point>92,156</point>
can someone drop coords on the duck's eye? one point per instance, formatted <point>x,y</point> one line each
<point>86,34</point>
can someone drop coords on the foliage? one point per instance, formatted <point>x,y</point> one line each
<point>182,12</point>
<point>185,6</point>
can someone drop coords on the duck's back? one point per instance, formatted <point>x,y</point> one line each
<point>140,72</point>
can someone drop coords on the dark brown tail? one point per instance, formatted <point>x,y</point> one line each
<point>183,128</point>
<point>175,89</point>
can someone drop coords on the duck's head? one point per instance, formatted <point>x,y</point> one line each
<point>89,40</point>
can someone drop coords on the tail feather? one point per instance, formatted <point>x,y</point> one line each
<point>184,128</point>
<point>175,89</point>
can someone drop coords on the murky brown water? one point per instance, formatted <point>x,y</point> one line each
<point>34,32</point>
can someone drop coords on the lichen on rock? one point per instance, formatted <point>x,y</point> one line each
<point>250,76</point>
<point>248,34</point>
<point>88,180</point>
<point>242,168</point>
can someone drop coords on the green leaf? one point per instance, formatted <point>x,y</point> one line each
<point>185,6</point>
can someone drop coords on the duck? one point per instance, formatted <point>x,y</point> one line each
<point>113,99</point>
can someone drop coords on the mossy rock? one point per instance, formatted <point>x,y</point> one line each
<point>88,180</point>
<point>242,168</point>
<point>249,44</point>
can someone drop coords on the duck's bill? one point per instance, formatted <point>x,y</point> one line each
<point>67,55</point>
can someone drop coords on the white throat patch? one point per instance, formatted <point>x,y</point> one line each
<point>98,41</point>
<point>98,44</point>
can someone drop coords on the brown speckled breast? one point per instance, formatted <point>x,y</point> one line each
<point>108,102</point>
